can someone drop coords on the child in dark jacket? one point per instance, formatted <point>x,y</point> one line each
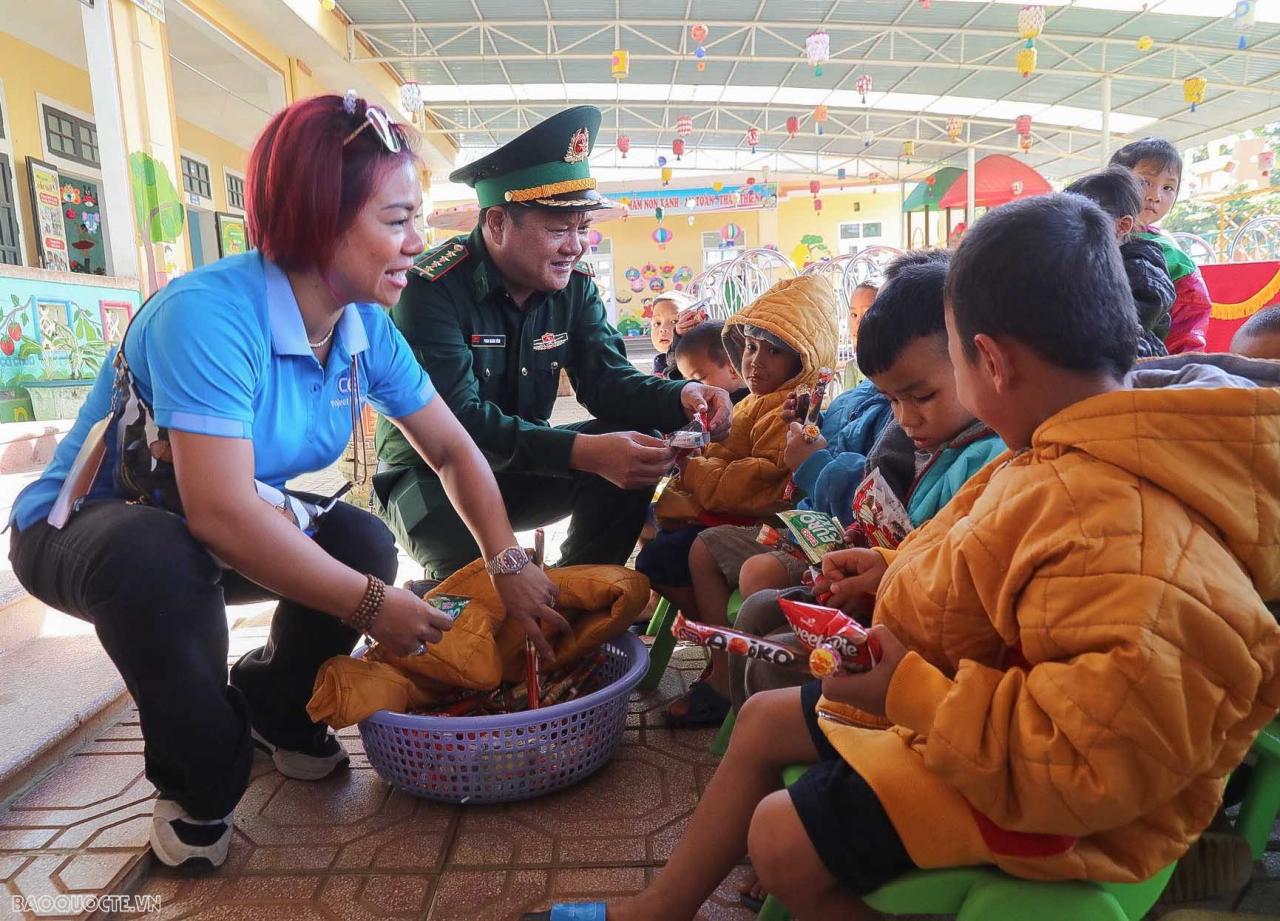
<point>1157,165</point>
<point>1117,192</point>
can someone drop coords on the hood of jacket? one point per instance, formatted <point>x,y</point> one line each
<point>1205,428</point>
<point>801,312</point>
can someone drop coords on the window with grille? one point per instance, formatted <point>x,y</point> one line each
<point>195,178</point>
<point>70,137</point>
<point>235,192</point>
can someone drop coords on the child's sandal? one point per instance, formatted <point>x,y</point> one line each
<point>570,911</point>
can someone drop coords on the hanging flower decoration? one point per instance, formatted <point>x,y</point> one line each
<point>666,175</point>
<point>863,86</point>
<point>1243,16</point>
<point>814,187</point>
<point>1193,90</point>
<point>684,125</point>
<point>955,128</point>
<point>1030,25</point>
<point>819,117</point>
<point>908,150</point>
<point>793,126</point>
<point>624,145</point>
<point>620,64</point>
<point>730,232</point>
<point>1145,43</point>
<point>817,48</point>
<point>677,147</point>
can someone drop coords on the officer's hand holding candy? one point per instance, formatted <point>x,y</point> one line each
<point>629,460</point>
<point>699,398</point>
<point>406,621</point>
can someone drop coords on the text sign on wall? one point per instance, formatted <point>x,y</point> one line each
<point>756,197</point>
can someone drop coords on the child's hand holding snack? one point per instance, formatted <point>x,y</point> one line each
<point>799,448</point>
<point>851,575</point>
<point>688,318</point>
<point>868,690</point>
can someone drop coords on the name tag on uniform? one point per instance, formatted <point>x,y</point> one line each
<point>486,341</point>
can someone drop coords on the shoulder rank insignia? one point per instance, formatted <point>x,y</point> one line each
<point>585,268</point>
<point>434,264</point>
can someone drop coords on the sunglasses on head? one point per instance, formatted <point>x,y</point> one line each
<point>382,126</point>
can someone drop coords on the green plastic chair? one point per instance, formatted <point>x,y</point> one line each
<point>987,894</point>
<point>1261,804</point>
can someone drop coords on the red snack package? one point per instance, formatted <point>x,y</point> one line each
<point>739,643</point>
<point>830,628</point>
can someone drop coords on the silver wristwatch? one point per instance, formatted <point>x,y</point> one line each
<point>507,563</point>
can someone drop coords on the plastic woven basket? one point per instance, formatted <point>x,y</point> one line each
<point>512,756</point>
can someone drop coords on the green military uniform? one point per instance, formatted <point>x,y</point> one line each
<point>498,366</point>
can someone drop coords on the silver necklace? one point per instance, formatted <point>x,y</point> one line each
<point>325,341</point>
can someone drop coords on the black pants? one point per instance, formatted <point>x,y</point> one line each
<point>158,603</point>
<point>605,520</point>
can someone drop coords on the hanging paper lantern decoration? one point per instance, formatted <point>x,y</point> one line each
<point>701,53</point>
<point>751,180</point>
<point>620,64</point>
<point>817,204</point>
<point>931,181</point>
<point>1244,15</point>
<point>717,186</point>
<point>819,116</point>
<point>926,5</point>
<point>411,97</point>
<point>1030,23</point>
<point>1266,162</point>
<point>814,187</point>
<point>662,236</point>
<point>753,138</point>
<point>659,214</point>
<point>1024,143</point>
<point>677,147</point>
<point>793,126</point>
<point>1025,60</point>
<point>1145,43</point>
<point>684,125</point>
<point>666,175</point>
<point>662,161</point>
<point>868,138</point>
<point>955,128</point>
<point>328,5</point>
<point>624,144</point>
<point>698,32</point>
<point>908,150</point>
<point>1016,188</point>
<point>593,239</point>
<point>840,174</point>
<point>1193,90</point>
<point>730,232</point>
<point>1022,124</point>
<point>817,48</point>
<point>863,86</point>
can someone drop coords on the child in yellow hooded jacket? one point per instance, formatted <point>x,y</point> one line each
<point>1076,651</point>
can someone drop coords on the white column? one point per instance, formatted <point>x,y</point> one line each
<point>971,190</point>
<point>1106,119</point>
<point>117,201</point>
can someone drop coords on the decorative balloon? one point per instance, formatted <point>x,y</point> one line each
<point>793,125</point>
<point>666,175</point>
<point>817,48</point>
<point>1193,90</point>
<point>1145,43</point>
<point>863,86</point>
<point>819,116</point>
<point>753,138</point>
<point>594,238</point>
<point>620,64</point>
<point>662,236</point>
<point>624,145</point>
<point>955,128</point>
<point>677,147</point>
<point>730,232</point>
<point>684,125</point>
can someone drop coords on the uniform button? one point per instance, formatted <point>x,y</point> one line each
<point>524,371</point>
<point>488,372</point>
<point>555,366</point>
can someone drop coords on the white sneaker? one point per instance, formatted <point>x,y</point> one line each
<point>315,764</point>
<point>178,840</point>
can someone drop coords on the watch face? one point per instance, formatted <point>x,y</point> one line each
<point>511,560</point>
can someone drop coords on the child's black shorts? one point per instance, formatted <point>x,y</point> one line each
<point>842,815</point>
<point>665,559</point>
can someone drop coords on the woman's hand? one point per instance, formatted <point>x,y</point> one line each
<point>798,450</point>
<point>868,690</point>
<point>852,575</point>
<point>529,598</point>
<point>405,620</point>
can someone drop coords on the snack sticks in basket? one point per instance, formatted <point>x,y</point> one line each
<point>531,659</point>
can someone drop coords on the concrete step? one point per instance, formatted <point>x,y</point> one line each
<point>26,446</point>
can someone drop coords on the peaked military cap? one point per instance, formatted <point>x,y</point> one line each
<point>546,167</point>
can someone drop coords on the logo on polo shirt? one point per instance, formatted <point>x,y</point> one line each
<point>548,341</point>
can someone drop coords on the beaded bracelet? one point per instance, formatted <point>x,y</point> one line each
<point>370,605</point>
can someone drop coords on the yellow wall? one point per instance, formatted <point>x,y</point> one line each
<point>26,70</point>
<point>797,219</point>
<point>219,152</point>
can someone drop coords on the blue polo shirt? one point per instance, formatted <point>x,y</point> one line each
<point>222,351</point>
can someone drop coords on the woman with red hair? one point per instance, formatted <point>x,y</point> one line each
<point>232,380</point>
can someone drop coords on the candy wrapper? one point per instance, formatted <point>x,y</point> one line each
<point>819,394</point>
<point>693,436</point>
<point>804,396</point>
<point>879,517</point>
<point>815,533</point>
<point>773,539</point>
<point>451,606</point>
<point>836,642</point>
<point>725,639</point>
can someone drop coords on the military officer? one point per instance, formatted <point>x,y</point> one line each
<point>493,317</point>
